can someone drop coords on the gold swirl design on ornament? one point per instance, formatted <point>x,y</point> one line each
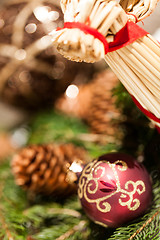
<point>85,177</point>
<point>88,184</point>
<point>122,166</point>
<point>136,188</point>
<point>106,207</point>
<point>95,172</point>
<point>80,189</point>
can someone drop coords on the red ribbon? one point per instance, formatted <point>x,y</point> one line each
<point>158,129</point>
<point>128,34</point>
<point>87,30</point>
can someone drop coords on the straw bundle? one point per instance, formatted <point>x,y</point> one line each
<point>137,63</point>
<point>141,9</point>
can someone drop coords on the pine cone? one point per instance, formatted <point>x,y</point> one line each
<point>103,115</point>
<point>95,104</point>
<point>78,106</point>
<point>44,169</point>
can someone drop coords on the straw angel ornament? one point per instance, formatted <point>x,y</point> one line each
<point>96,29</point>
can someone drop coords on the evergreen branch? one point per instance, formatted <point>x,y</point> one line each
<point>144,225</point>
<point>2,218</point>
<point>79,227</point>
<point>46,219</point>
<point>4,226</point>
<point>55,127</point>
<point>92,137</point>
<point>68,212</point>
<point>57,211</point>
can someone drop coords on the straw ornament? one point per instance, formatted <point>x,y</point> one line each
<point>96,29</point>
<point>139,9</point>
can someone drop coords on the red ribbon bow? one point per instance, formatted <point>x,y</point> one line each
<point>128,34</point>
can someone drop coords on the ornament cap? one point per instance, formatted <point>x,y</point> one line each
<point>74,171</point>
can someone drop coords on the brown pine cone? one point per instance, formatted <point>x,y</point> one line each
<point>95,104</point>
<point>44,169</point>
<point>78,106</point>
<point>103,115</point>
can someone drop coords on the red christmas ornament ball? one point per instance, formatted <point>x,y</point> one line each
<point>114,189</point>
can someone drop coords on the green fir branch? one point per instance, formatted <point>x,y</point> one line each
<point>56,127</point>
<point>24,218</point>
<point>145,227</point>
<point>48,220</point>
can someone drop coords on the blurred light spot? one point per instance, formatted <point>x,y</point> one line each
<point>19,137</point>
<point>20,54</point>
<point>24,76</point>
<point>53,15</point>
<point>140,159</point>
<point>1,23</point>
<point>72,91</point>
<point>42,14</point>
<point>44,42</point>
<point>31,28</point>
<point>76,167</point>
